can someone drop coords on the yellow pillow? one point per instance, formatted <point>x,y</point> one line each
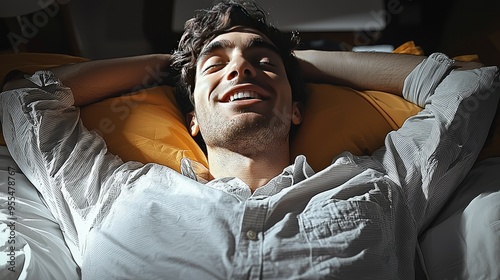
<point>147,126</point>
<point>144,126</point>
<point>338,119</point>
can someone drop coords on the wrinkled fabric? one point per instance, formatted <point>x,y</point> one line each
<point>31,243</point>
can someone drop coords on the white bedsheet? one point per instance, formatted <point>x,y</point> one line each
<point>31,242</point>
<point>464,241</point>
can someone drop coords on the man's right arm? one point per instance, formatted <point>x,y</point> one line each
<point>93,81</point>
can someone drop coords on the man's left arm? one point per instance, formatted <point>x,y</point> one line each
<point>363,70</point>
<point>433,150</point>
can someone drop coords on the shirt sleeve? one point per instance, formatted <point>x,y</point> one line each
<point>68,164</point>
<point>433,150</point>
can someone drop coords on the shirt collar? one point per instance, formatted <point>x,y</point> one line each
<point>291,175</point>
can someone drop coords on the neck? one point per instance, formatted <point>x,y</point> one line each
<point>254,168</point>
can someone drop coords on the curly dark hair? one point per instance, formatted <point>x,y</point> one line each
<point>208,24</point>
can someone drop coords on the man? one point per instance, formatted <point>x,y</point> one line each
<point>254,215</point>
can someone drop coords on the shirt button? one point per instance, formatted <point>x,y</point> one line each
<point>252,235</point>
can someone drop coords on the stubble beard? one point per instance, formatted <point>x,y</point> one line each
<point>246,137</point>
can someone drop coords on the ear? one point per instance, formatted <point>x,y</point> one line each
<point>297,113</point>
<point>194,128</point>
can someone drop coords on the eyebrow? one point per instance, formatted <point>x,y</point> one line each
<point>224,44</point>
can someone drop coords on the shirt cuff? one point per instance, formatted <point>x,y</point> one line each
<point>51,89</point>
<point>423,80</point>
<point>43,78</point>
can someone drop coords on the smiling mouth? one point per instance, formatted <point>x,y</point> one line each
<point>244,95</point>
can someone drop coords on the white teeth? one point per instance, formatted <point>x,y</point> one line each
<point>243,95</point>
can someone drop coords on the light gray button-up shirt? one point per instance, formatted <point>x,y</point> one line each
<point>358,218</point>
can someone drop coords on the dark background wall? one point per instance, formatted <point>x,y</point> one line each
<point>453,27</point>
<point>135,27</point>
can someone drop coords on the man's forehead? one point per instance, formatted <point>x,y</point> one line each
<point>236,32</point>
<point>245,29</point>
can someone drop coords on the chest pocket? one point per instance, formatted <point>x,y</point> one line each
<point>341,217</point>
<point>348,235</point>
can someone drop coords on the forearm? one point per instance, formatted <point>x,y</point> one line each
<point>362,70</point>
<point>95,80</point>
<point>375,71</point>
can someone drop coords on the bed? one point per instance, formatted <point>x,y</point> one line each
<point>147,126</point>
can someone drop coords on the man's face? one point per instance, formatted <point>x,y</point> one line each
<point>242,94</point>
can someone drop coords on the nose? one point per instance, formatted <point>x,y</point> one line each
<point>240,67</point>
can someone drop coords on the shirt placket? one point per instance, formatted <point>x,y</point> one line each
<point>248,260</point>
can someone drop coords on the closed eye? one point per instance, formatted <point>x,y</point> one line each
<point>267,65</point>
<point>213,67</point>
<point>266,62</point>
